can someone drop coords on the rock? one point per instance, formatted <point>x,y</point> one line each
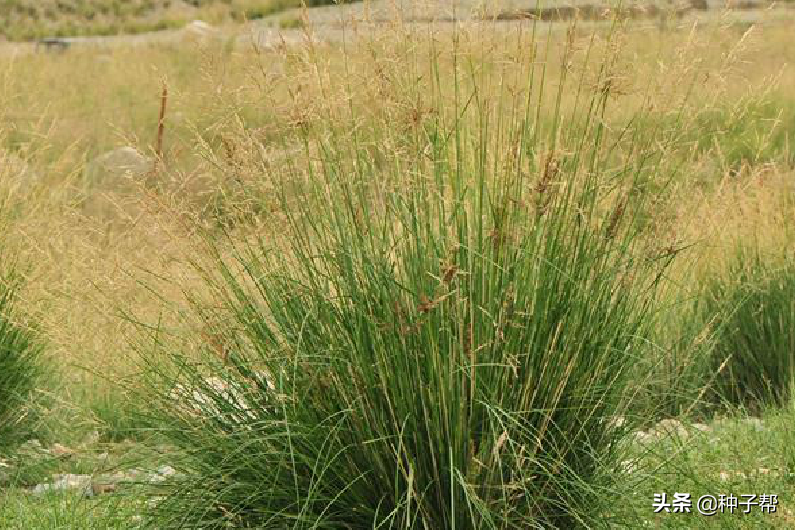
<point>644,437</point>
<point>106,483</point>
<point>617,422</point>
<point>629,466</point>
<point>61,451</point>
<point>163,474</point>
<point>120,162</point>
<point>671,427</point>
<point>728,475</point>
<point>66,482</point>
<point>5,472</point>
<point>755,423</point>
<point>204,399</point>
<point>155,478</point>
<point>200,29</point>
<point>33,450</point>
<point>166,471</point>
<point>152,502</point>
<point>102,488</point>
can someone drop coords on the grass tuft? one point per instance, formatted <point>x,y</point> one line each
<point>439,341</point>
<point>754,356</point>
<point>21,371</point>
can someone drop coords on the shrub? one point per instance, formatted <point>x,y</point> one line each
<point>20,372</point>
<point>753,309</point>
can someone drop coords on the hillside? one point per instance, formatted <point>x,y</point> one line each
<point>33,19</point>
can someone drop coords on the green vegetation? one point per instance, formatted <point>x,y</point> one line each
<point>21,371</point>
<point>451,359</point>
<point>754,358</point>
<point>411,276</point>
<point>735,455</point>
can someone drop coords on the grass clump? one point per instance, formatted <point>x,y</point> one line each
<point>21,371</point>
<point>438,340</point>
<point>753,309</point>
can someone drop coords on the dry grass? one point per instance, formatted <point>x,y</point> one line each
<point>31,19</point>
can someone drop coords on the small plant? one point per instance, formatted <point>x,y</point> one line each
<point>679,382</point>
<point>20,372</point>
<point>753,311</point>
<point>114,415</point>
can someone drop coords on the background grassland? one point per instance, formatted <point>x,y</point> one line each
<point>33,19</point>
<point>108,253</point>
<point>227,106</point>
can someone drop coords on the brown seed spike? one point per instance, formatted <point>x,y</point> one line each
<point>425,304</point>
<point>449,273</point>
<point>615,218</point>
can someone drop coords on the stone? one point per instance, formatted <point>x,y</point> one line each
<point>68,481</point>
<point>163,474</point>
<point>124,161</point>
<point>5,472</point>
<point>61,451</point>
<point>155,478</point>
<point>671,427</point>
<point>617,422</point>
<point>33,450</point>
<point>203,400</point>
<point>200,29</point>
<point>629,466</point>
<point>102,488</point>
<point>644,437</point>
<point>152,503</point>
<point>166,471</point>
